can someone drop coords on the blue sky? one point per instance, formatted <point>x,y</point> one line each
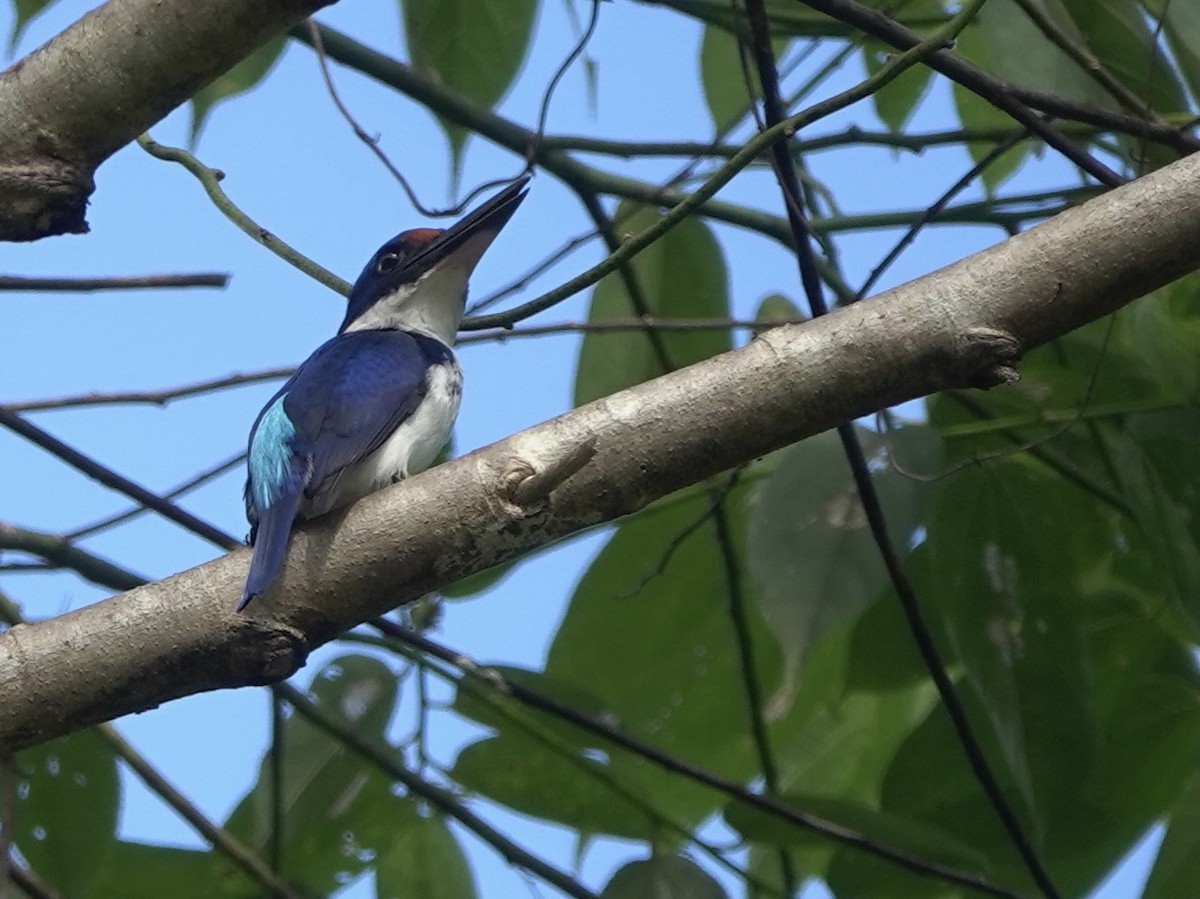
<point>293,165</point>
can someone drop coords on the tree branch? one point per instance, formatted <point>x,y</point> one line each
<point>68,106</point>
<point>963,325</point>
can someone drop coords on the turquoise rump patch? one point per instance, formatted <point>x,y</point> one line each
<point>271,455</point>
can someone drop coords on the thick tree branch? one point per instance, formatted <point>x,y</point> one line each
<point>71,104</point>
<point>962,326</point>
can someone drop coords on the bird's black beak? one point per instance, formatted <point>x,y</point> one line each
<point>465,241</point>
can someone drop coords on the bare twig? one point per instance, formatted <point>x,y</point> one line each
<point>75,285</point>
<point>111,479</point>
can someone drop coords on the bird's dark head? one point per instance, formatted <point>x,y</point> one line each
<point>418,279</point>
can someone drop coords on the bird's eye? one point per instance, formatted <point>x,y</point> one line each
<point>387,262</point>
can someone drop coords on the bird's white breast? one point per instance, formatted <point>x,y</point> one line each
<point>412,447</point>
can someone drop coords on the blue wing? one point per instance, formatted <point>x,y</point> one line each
<point>341,404</point>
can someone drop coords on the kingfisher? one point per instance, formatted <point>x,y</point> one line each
<point>377,402</point>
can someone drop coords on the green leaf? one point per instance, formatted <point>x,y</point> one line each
<point>649,633</point>
<point>25,11</point>
<point>474,584</point>
<point>662,877</point>
<point>809,549</point>
<point>337,809</point>
<point>139,871</point>
<point>915,837</point>
<point>241,78</point>
<point>682,275</point>
<point>474,47</point>
<point>422,859</point>
<point>724,79</point>
<point>1009,591</point>
<point>974,112</point>
<point>1174,872</point>
<point>526,774</point>
<point>495,709</point>
<point>65,820</point>
<point>1117,33</point>
<point>897,100</point>
<point>842,747</point>
<point>1163,525</point>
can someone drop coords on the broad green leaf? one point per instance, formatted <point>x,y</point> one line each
<point>649,633</point>
<point>809,548</point>
<point>1012,543</point>
<point>475,584</point>
<point>843,748</point>
<point>241,78</point>
<point>1163,525</point>
<point>1143,691</point>
<point>526,774</point>
<point>790,19</point>
<point>422,859</point>
<point>65,818</point>
<point>897,100</point>
<point>725,80</point>
<point>1117,33</point>
<point>495,709</point>
<point>25,11</point>
<point>337,809</point>
<point>883,655</point>
<point>474,47</point>
<point>915,837</point>
<point>976,113</point>
<point>662,877</point>
<point>1174,873</point>
<point>683,275</point>
<point>140,871</point>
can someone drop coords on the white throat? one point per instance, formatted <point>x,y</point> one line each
<point>433,305</point>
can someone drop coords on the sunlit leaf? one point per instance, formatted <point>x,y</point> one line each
<point>25,11</point>
<point>422,859</point>
<point>242,77</point>
<point>141,871</point>
<point>897,100</point>
<point>662,877</point>
<point>474,47</point>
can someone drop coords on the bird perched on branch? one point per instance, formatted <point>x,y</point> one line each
<point>377,402</point>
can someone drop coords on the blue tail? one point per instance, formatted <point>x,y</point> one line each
<point>270,546</point>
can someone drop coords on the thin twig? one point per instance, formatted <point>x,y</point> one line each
<point>151,397</point>
<point>76,285</point>
<point>938,205</point>
<point>63,553</point>
<point>197,480</point>
<point>114,481</point>
<point>210,180</point>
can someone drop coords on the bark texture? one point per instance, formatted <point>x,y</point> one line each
<point>964,325</point>
<point>75,101</point>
